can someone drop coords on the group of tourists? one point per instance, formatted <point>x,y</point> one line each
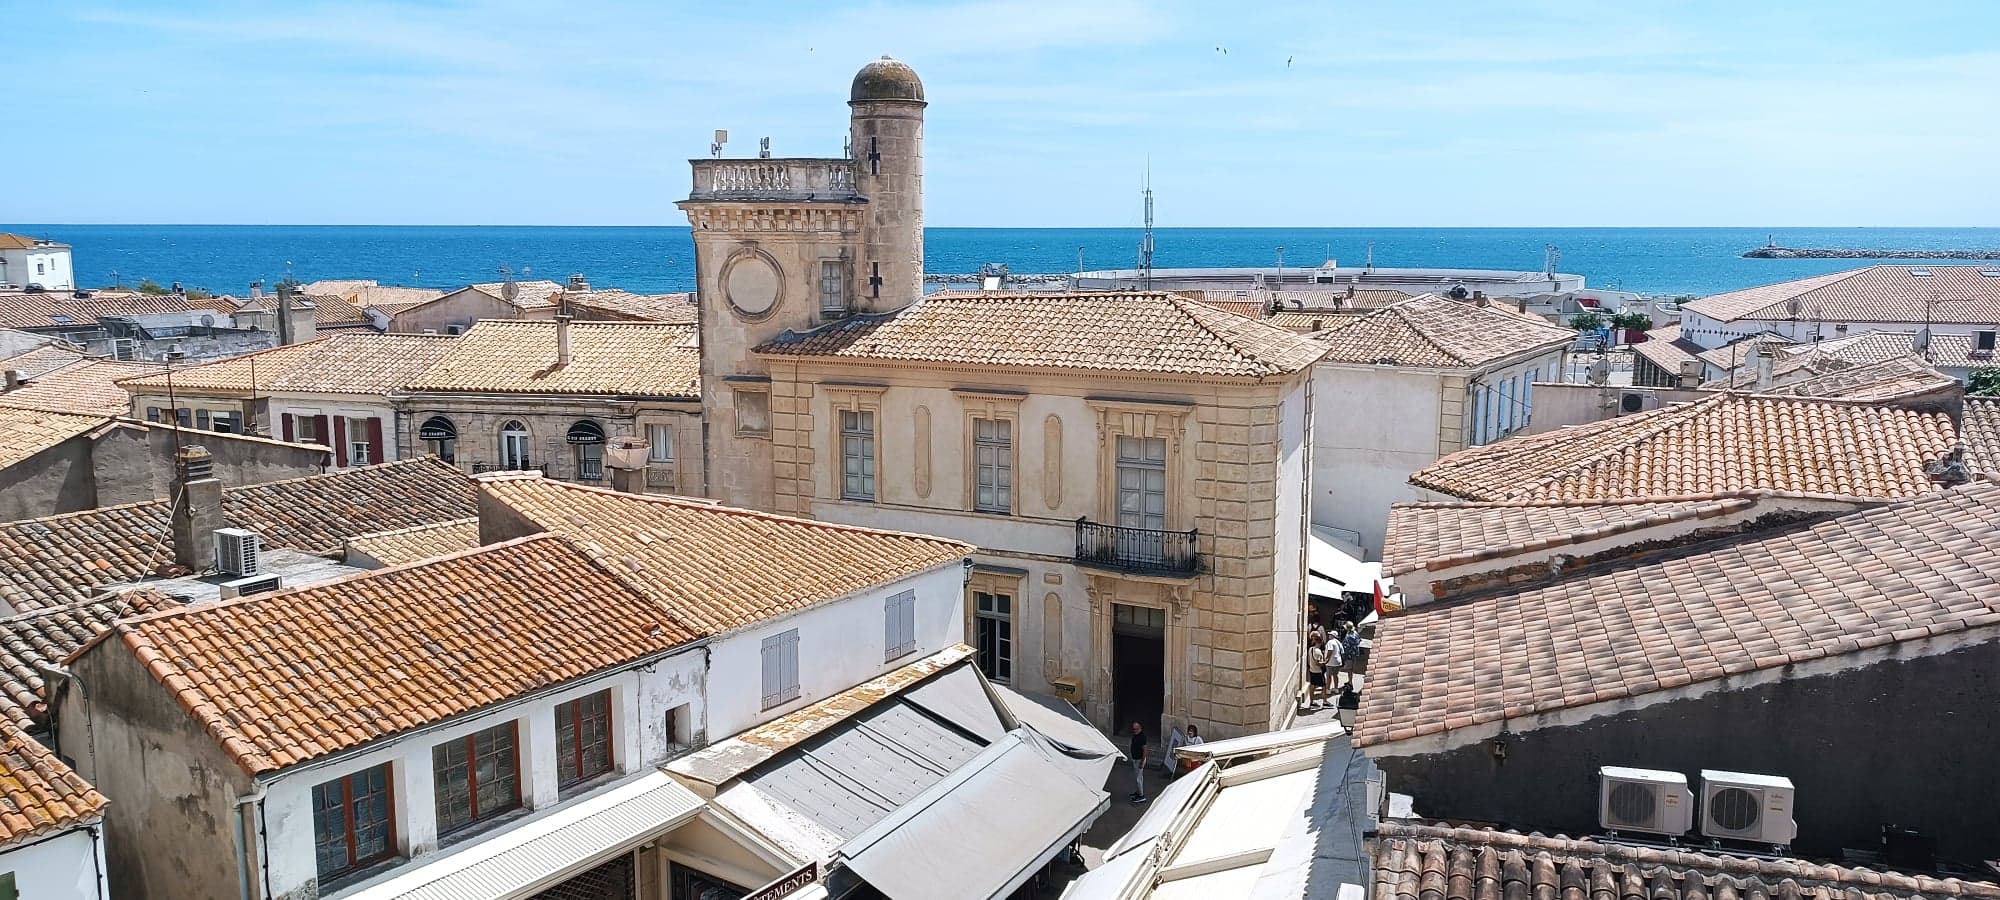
<point>1333,661</point>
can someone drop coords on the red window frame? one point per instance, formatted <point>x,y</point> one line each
<point>349,838</point>
<point>473,755</point>
<point>572,718</point>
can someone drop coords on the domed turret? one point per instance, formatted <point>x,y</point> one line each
<point>886,79</point>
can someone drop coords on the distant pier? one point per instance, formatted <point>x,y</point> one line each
<point>1865,253</point>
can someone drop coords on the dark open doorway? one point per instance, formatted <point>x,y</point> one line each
<point>1138,667</point>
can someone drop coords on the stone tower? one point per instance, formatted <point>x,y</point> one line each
<point>790,244</point>
<point>887,137</point>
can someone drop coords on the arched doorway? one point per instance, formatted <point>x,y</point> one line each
<point>587,439</point>
<point>442,437</point>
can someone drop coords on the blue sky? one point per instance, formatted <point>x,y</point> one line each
<point>1043,112</point>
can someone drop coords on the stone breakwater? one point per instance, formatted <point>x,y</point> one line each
<point>974,278</point>
<point>1859,253</point>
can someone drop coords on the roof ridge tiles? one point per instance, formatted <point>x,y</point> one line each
<point>698,503</point>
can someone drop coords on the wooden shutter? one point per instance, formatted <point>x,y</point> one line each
<point>288,426</point>
<point>774,672</point>
<point>320,432</point>
<point>791,661</point>
<point>892,626</point>
<point>339,440</point>
<point>375,441</point>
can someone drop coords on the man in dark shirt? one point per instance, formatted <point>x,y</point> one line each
<point>1138,756</point>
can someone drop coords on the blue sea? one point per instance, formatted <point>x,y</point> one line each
<point>226,258</point>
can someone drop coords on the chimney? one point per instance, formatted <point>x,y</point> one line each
<point>1479,298</point>
<point>1521,304</point>
<point>562,340</point>
<point>285,314</point>
<point>1350,289</point>
<point>577,284</point>
<point>197,508</point>
<point>13,379</point>
<point>1767,360</point>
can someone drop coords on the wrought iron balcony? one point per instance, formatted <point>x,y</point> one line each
<point>773,179</point>
<point>1137,550</point>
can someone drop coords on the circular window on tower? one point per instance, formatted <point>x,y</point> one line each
<point>752,282</point>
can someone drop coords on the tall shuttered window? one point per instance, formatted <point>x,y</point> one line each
<point>857,454</point>
<point>993,622</point>
<point>1142,483</point>
<point>899,625</point>
<point>993,465</point>
<point>781,668</point>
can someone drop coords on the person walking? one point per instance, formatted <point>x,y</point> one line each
<point>1315,669</point>
<point>1138,756</point>
<point>1350,653</point>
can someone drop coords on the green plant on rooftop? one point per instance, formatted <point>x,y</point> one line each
<point>1632,319</point>
<point>1590,320</point>
<point>1983,383</point>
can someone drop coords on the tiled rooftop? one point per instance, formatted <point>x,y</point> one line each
<point>1439,862</point>
<point>46,358</point>
<point>282,678</point>
<point>1726,442</point>
<point>1743,352</point>
<point>67,558</point>
<point>1432,331</point>
<point>1947,350</point>
<point>625,306</point>
<point>44,637</point>
<point>330,311</point>
<point>54,309</point>
<point>251,372</point>
<point>1102,331</point>
<point>39,795</point>
<point>1439,535</point>
<point>1917,569</point>
<point>690,554</point>
<point>1872,294</point>
<point>89,387</point>
<point>1895,378</point>
<point>611,358</point>
<point>408,545</point>
<point>1980,430</point>
<point>527,294</point>
<point>26,432</point>
<point>1664,347</point>
<point>1311,322</point>
<point>363,363</point>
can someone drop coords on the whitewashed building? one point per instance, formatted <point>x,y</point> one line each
<point>52,835</point>
<point>34,262</point>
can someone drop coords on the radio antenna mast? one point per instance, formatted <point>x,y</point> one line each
<point>1146,241</point>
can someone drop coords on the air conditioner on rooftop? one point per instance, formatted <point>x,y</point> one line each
<point>1747,807</point>
<point>236,552</point>
<point>1644,800</point>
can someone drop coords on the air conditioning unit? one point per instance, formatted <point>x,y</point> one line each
<point>255,584</point>
<point>1746,807</point>
<point>1644,800</point>
<point>1631,402</point>
<point>236,552</point>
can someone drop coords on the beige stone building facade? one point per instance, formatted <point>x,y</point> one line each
<point>1132,466</point>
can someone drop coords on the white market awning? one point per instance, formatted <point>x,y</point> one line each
<point>1332,569</point>
<point>544,851</point>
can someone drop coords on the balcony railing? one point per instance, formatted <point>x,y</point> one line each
<point>1136,550</point>
<point>773,179</point>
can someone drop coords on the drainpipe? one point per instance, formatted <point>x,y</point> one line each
<point>244,881</point>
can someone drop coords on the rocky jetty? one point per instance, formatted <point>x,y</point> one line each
<point>1864,253</point>
<point>1012,278</point>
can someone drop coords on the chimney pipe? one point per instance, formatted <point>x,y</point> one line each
<point>1767,360</point>
<point>285,314</point>
<point>562,340</point>
<point>197,508</point>
<point>13,379</point>
<point>1479,298</point>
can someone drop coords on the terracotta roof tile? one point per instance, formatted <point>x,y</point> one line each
<point>282,678</point>
<point>625,306</point>
<point>1313,322</point>
<point>89,387</point>
<point>39,794</point>
<point>67,558</point>
<point>1872,294</point>
<point>1438,862</point>
<point>46,358</point>
<point>56,308</point>
<point>690,554</point>
<point>1891,573</point>
<point>364,363</point>
<point>1741,353</point>
<point>1100,331</point>
<point>527,294</point>
<point>1439,535</point>
<point>1980,429</point>
<point>250,372</point>
<point>407,545</point>
<point>615,358</point>
<point>26,432</point>
<point>1726,442</point>
<point>1428,330</point>
<point>1953,351</point>
<point>1895,378</point>
<point>44,637</point>
<point>1664,347</point>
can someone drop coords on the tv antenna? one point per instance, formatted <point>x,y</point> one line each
<point>1145,240</point>
<point>1551,257</point>
<point>715,146</point>
<point>764,148</point>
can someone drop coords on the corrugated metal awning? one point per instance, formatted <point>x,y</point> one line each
<point>544,851</point>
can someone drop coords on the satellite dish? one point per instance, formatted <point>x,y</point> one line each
<point>208,321</point>
<point>509,291</point>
